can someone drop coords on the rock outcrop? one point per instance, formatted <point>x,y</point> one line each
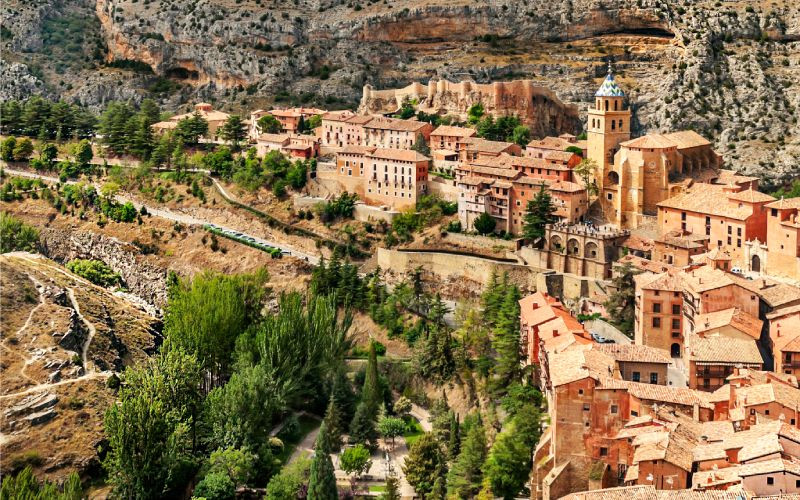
<point>728,70</point>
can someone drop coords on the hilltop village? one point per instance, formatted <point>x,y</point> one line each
<point>641,301</point>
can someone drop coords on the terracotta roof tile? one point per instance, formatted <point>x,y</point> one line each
<point>723,350</point>
<point>396,124</point>
<point>635,353</point>
<point>451,131</point>
<point>687,139</point>
<point>733,317</point>
<point>650,141</point>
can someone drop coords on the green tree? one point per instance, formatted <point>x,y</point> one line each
<point>24,485</point>
<point>586,171</point>
<point>334,425</point>
<point>434,359</point>
<point>521,135</point>
<point>621,304</point>
<point>539,212</point>
<point>484,223</point>
<point>215,486</point>
<point>475,113</point>
<point>391,427</point>
<point>237,463</point>
<point>506,340</point>
<point>402,406</point>
<point>23,149</point>
<point>7,148</point>
<point>290,481</point>
<point>425,459</point>
<point>508,464</point>
<point>83,153</point>
<point>371,393</point>
<point>15,235</point>
<point>233,131</point>
<point>465,476</point>
<point>362,427</point>
<point>151,430</point>
<point>206,315</point>
<point>322,481</point>
<point>355,460</point>
<point>421,146</point>
<point>392,490</point>
<point>314,122</point>
<point>48,154</point>
<point>268,124</point>
<point>189,130</point>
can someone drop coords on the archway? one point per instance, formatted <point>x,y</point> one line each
<point>613,178</point>
<point>591,250</point>
<point>675,350</point>
<point>556,244</point>
<point>573,247</point>
<point>755,264</point>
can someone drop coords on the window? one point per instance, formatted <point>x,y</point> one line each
<point>774,212</point>
<point>676,309</point>
<point>603,452</point>
<point>752,411</point>
<point>676,324</point>
<point>738,231</point>
<point>609,196</point>
<point>766,412</point>
<point>614,409</point>
<point>770,480</point>
<point>706,382</point>
<point>656,322</point>
<point>580,391</point>
<point>653,378</point>
<point>635,376</point>
<point>730,229</point>
<point>634,413</point>
<point>675,335</point>
<point>656,308</point>
<point>585,406</point>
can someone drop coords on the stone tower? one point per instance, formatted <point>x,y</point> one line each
<point>608,124</point>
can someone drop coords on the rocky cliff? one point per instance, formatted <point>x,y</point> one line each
<point>727,69</point>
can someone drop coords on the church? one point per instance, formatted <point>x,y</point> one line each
<point>634,175</point>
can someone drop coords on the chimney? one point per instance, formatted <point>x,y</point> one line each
<point>696,411</point>
<point>535,305</point>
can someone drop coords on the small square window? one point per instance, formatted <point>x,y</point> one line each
<point>656,322</point>
<point>770,480</point>
<point>614,409</point>
<point>603,452</point>
<point>580,391</point>
<point>586,407</point>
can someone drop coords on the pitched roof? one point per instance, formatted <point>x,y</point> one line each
<point>751,196</point>
<point>633,353</point>
<point>487,146</point>
<point>398,155</point>
<point>681,239</point>
<point>707,199</point>
<point>280,138</point>
<point>566,187</point>
<point>659,393</point>
<point>396,124</point>
<point>650,141</point>
<point>687,139</point>
<point>785,204</point>
<point>769,467</point>
<point>359,119</point>
<point>767,393</point>
<point>643,264</point>
<point>338,116</point>
<point>552,144</point>
<point>452,131</point>
<point>577,364</point>
<point>723,350</point>
<point>733,317</point>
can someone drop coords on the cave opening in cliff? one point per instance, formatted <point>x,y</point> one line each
<point>653,31</point>
<point>179,73</point>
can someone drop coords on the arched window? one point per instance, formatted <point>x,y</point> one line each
<point>620,124</point>
<point>613,123</point>
<point>606,105</point>
<point>615,104</point>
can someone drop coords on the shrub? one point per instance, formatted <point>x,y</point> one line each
<point>215,486</point>
<point>15,235</point>
<point>95,271</point>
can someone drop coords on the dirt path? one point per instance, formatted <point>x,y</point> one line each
<point>89,325</point>
<point>44,387</point>
<point>304,446</point>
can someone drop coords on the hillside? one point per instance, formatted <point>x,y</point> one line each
<point>728,69</point>
<point>62,339</point>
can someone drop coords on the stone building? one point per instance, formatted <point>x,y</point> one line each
<point>639,363</point>
<point>677,248</point>
<point>634,175</point>
<point>393,133</point>
<point>578,249</point>
<point>215,119</point>
<point>712,359</point>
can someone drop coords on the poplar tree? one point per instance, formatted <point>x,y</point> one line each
<point>371,393</point>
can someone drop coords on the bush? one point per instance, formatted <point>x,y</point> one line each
<point>95,271</point>
<point>15,235</point>
<point>215,486</point>
<point>454,226</point>
<point>484,224</point>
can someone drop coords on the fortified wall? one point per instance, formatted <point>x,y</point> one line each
<point>538,107</point>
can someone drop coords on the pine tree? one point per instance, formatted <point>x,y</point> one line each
<point>344,396</point>
<point>435,359</point>
<point>422,464</point>
<point>506,340</point>
<point>464,478</point>
<point>362,428</point>
<point>333,425</point>
<point>439,489</point>
<point>539,213</point>
<point>322,483</point>
<point>233,131</point>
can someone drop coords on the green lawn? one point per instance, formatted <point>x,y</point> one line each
<point>291,439</point>
<point>377,488</point>
<point>413,430</point>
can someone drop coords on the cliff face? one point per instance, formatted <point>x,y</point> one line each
<point>728,70</point>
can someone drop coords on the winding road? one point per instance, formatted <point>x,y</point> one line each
<point>180,217</point>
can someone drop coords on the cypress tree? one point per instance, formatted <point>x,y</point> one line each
<point>455,438</point>
<point>322,482</point>
<point>464,478</point>
<point>333,425</point>
<point>362,428</point>
<point>371,393</point>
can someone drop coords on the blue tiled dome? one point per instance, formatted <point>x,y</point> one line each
<point>609,88</point>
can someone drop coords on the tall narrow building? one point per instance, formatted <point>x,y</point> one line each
<point>609,124</point>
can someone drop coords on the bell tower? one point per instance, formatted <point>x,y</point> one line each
<point>608,124</point>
